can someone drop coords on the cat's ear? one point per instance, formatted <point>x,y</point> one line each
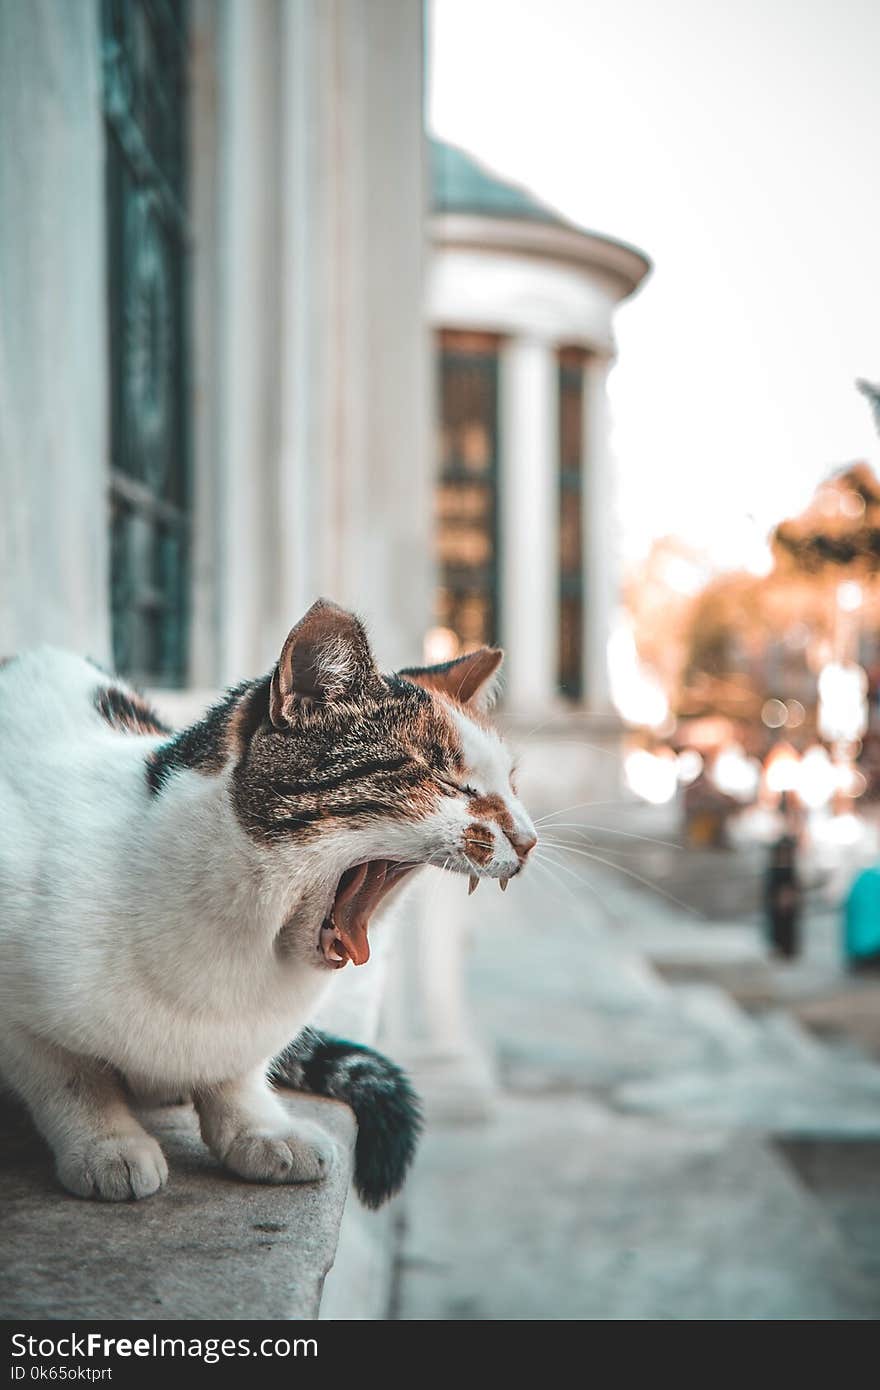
<point>471,679</point>
<point>326,657</point>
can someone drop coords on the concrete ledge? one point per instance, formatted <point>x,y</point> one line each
<point>209,1246</point>
<point>360,1286</point>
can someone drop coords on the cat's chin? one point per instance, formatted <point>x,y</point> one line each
<point>359,892</point>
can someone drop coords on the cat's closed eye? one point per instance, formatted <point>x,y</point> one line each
<point>461,789</point>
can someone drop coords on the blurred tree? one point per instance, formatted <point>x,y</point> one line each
<point>659,596</point>
<point>840,529</point>
<point>743,639</point>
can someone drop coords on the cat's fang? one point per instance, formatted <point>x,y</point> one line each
<point>332,946</point>
<point>473,883</point>
<point>502,883</point>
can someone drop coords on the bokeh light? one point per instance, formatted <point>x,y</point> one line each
<point>690,765</point>
<point>652,776</point>
<point>781,769</point>
<point>735,774</point>
<point>774,713</point>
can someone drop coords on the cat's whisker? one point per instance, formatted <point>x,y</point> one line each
<point>579,805</point>
<point>558,864</point>
<point>545,867</point>
<point>542,724</point>
<point>609,849</point>
<point>639,878</point>
<point>586,883</point>
<point>553,824</point>
<point>609,830</point>
<point>548,839</point>
<point>438,882</point>
<point>549,842</point>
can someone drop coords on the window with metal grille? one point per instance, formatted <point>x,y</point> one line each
<point>571,547</point>
<point>145,80</point>
<point>466,495</point>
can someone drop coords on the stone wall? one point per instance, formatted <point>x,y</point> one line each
<point>53,368</point>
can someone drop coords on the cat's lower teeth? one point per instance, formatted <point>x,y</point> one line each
<point>331,943</point>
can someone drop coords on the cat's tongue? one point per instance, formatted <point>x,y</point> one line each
<point>356,898</point>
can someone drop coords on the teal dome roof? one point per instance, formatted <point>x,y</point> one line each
<point>462,189</point>
<point>461,183</point>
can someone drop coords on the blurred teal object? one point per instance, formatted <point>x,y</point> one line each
<point>862,917</point>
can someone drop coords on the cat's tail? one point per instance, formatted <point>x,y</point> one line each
<point>386,1107</point>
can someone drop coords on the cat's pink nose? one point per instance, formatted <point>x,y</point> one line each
<point>522,843</point>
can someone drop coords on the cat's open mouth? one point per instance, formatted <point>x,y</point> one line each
<point>358,894</point>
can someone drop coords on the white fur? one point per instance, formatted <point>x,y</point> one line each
<point>137,929</point>
<point>335,662</point>
<point>139,934</point>
<point>487,770</point>
<point>438,838</point>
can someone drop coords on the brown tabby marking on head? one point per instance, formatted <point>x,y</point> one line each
<point>377,757</point>
<point>245,717</point>
<point>325,659</point>
<point>127,712</point>
<point>356,760</point>
<point>491,808</point>
<point>467,682</point>
<point>434,732</point>
<point>478,843</point>
<point>223,732</point>
<point>325,737</point>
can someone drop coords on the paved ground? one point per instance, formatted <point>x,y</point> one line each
<point>729,946</point>
<point>654,1149</point>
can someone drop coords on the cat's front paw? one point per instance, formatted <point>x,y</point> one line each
<point>303,1157</point>
<point>115,1169</point>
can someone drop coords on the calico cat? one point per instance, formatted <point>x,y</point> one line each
<point>173,906</point>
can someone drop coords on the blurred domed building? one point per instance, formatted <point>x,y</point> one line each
<point>521,303</point>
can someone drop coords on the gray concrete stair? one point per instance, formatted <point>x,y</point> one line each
<point>635,1163</point>
<point>561,1208</point>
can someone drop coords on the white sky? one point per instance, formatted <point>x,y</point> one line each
<point>738,144</point>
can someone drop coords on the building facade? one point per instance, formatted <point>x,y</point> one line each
<point>215,387</point>
<point>214,364</point>
<point>521,303</point>
<point>213,359</point>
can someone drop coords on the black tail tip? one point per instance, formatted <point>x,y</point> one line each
<point>389,1117</point>
<point>387,1109</point>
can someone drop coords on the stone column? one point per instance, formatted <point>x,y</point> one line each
<point>249,275</point>
<point>529,522</point>
<point>599,533</point>
<point>312,468</point>
<point>426,1018</point>
<point>356,467</point>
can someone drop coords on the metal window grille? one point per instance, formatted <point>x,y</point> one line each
<point>467,488</point>
<point>145,108</point>
<point>571,547</point>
